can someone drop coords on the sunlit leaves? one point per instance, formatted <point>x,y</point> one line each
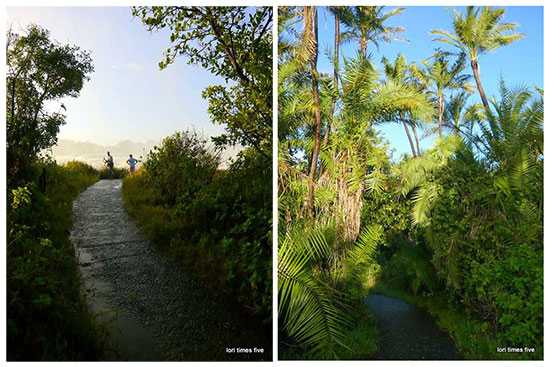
<point>479,30</point>
<point>310,311</point>
<point>234,43</point>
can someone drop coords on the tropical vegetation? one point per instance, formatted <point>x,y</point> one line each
<point>455,229</point>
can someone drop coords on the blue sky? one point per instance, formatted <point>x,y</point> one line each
<point>519,64</point>
<point>127,97</point>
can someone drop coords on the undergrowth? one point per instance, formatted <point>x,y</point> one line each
<point>47,317</point>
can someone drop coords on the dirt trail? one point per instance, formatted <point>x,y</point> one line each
<point>152,308</point>
<point>407,332</point>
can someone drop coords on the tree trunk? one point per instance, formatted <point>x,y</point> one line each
<point>441,109</point>
<point>335,73</point>
<point>310,30</point>
<point>363,46</point>
<point>475,71</point>
<point>416,139</point>
<point>408,135</point>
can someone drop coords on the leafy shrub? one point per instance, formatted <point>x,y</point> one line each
<point>181,166</point>
<point>312,311</point>
<point>410,269</point>
<point>115,173</point>
<point>388,208</point>
<point>47,318</point>
<point>321,310</point>
<point>211,218</point>
<point>80,168</point>
<point>487,244</point>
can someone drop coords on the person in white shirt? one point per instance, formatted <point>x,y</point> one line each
<point>132,162</point>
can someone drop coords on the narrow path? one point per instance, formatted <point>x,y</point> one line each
<point>407,332</point>
<point>152,308</point>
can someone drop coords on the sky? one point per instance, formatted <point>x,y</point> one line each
<point>520,63</point>
<point>127,96</point>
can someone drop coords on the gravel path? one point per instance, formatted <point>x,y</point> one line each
<point>153,310</point>
<point>407,332</point>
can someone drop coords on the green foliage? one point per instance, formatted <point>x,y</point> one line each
<point>47,317</point>
<point>410,269</point>
<point>115,173</point>
<point>478,31</point>
<point>180,167</point>
<point>231,42</point>
<point>512,131</point>
<point>218,222</point>
<point>39,72</point>
<point>485,224</point>
<point>321,286</point>
<point>460,118</point>
<point>362,340</point>
<point>415,175</point>
<point>311,312</point>
<point>388,208</point>
<point>490,258</point>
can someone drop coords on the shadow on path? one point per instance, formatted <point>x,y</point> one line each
<point>406,332</point>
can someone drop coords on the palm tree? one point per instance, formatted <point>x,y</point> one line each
<point>510,141</point>
<point>337,11</point>
<point>311,313</point>
<point>397,72</point>
<point>459,117</point>
<point>353,160</point>
<point>366,24</point>
<point>477,32</point>
<point>439,76</point>
<point>514,129</point>
<point>309,40</point>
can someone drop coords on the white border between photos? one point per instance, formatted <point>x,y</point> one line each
<point>274,3</point>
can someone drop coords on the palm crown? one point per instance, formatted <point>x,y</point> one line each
<point>479,31</point>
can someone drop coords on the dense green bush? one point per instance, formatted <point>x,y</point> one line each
<point>115,173</point>
<point>47,318</point>
<point>410,269</point>
<point>217,221</point>
<point>487,246</point>
<point>181,166</point>
<point>390,209</point>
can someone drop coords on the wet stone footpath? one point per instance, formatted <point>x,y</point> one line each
<point>150,307</point>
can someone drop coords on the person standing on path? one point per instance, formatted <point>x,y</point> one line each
<point>109,162</point>
<point>132,162</point>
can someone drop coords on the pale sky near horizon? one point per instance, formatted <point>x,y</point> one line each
<point>127,96</point>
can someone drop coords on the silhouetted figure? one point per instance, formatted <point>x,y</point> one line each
<point>109,162</point>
